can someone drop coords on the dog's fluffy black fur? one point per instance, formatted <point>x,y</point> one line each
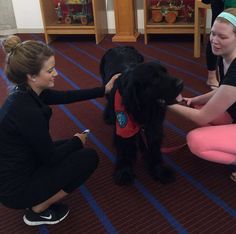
<point>116,60</point>
<point>146,88</point>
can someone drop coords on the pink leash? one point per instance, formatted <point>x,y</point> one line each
<point>167,150</point>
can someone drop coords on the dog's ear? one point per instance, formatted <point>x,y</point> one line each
<point>130,95</point>
<point>107,65</point>
<point>102,67</point>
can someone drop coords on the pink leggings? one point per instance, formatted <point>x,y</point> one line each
<point>215,142</point>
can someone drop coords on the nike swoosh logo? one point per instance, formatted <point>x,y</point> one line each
<point>46,217</point>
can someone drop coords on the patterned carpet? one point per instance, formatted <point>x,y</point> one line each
<point>202,200</point>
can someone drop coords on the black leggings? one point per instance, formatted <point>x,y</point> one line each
<point>66,175</point>
<point>217,6</point>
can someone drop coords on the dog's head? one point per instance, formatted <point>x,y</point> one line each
<point>117,60</point>
<point>148,86</point>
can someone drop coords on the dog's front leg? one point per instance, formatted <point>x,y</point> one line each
<point>158,170</point>
<point>126,156</point>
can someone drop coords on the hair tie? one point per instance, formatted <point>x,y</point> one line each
<point>19,44</point>
<point>16,46</point>
<point>228,16</point>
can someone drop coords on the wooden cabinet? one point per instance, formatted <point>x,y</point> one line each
<point>52,28</point>
<point>181,26</point>
<point>125,20</point>
<point>199,6</point>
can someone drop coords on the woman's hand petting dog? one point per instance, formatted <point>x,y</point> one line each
<point>110,84</point>
<point>186,102</point>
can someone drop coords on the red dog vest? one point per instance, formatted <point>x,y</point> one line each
<point>125,124</point>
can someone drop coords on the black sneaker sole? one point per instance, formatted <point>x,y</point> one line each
<point>36,223</point>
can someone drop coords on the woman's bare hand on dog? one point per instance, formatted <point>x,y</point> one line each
<point>187,101</point>
<point>110,84</point>
<point>191,102</point>
<point>184,101</point>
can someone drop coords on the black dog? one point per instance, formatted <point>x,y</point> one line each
<point>116,60</point>
<point>138,102</point>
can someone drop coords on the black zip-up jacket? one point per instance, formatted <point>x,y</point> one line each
<point>25,141</point>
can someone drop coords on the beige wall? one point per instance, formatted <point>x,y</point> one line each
<point>7,18</point>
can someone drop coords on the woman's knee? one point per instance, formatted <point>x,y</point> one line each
<point>84,159</point>
<point>84,164</point>
<point>91,157</point>
<point>195,141</point>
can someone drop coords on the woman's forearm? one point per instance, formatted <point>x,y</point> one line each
<point>188,113</point>
<point>203,99</point>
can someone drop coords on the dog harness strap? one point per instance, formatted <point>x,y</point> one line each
<point>125,124</point>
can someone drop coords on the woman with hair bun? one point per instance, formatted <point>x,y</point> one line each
<point>35,171</point>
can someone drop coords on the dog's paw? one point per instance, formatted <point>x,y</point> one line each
<point>124,176</point>
<point>162,173</point>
